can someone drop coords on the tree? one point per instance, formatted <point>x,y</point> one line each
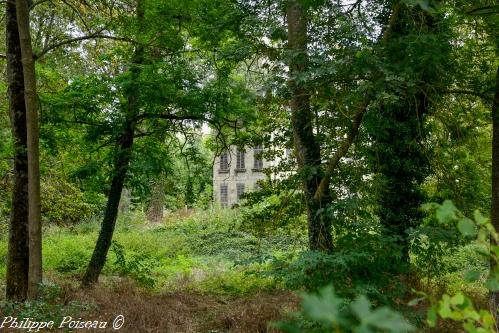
<point>493,25</point>
<point>17,257</point>
<point>121,162</point>
<point>315,170</point>
<point>157,200</point>
<point>307,149</point>
<point>166,89</point>
<point>34,215</point>
<point>21,240</point>
<point>397,126</point>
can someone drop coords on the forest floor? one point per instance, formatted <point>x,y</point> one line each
<point>204,273</point>
<point>186,312</point>
<point>194,273</point>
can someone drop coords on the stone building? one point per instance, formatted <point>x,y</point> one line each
<point>237,171</point>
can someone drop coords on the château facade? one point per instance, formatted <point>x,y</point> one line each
<point>236,171</point>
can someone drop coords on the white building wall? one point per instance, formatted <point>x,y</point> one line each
<point>233,176</point>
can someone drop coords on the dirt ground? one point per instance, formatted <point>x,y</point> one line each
<point>183,312</point>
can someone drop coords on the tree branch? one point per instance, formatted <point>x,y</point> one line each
<point>342,151</point>
<point>78,13</point>
<point>167,116</point>
<point>488,10</point>
<point>36,3</point>
<point>170,117</point>
<point>79,39</point>
<point>483,95</point>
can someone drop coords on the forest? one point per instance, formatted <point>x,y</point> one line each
<point>250,166</point>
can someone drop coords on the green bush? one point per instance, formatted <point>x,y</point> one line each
<point>48,307</point>
<point>364,267</point>
<point>64,204</point>
<point>66,253</point>
<point>326,312</point>
<point>459,307</point>
<point>236,282</point>
<point>137,266</point>
<point>429,246</point>
<point>273,207</point>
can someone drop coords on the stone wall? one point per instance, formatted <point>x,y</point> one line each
<point>232,175</point>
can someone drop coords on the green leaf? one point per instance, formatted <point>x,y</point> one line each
<point>493,283</point>
<point>457,299</point>
<point>416,301</point>
<point>469,327</point>
<point>323,307</point>
<point>431,317</point>
<point>446,212</point>
<point>361,306</point>
<point>466,227</point>
<point>479,218</point>
<point>472,276</point>
<point>445,307</point>
<point>388,320</point>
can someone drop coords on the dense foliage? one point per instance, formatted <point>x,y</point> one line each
<point>377,114</point>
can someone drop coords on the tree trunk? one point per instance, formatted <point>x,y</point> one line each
<point>34,218</point>
<point>398,131</point>
<point>307,149</point>
<point>108,223</point>
<point>122,161</point>
<point>125,201</point>
<point>157,201</point>
<point>494,216</point>
<point>18,253</point>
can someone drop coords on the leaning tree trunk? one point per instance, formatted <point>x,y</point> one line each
<point>34,215</point>
<point>121,163</point>
<point>494,216</point>
<point>307,149</point>
<point>18,253</point>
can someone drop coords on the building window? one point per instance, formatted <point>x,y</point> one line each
<point>240,190</point>
<point>224,195</point>
<point>240,159</point>
<point>224,161</point>
<point>257,153</point>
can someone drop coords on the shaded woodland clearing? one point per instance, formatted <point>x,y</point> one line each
<point>202,272</point>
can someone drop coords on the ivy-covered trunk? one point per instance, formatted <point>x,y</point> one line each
<point>397,127</point>
<point>306,147</point>
<point>18,252</point>
<point>121,164</point>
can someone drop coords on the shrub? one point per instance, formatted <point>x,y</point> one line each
<point>325,312</point>
<point>364,267</point>
<point>137,266</point>
<point>459,307</point>
<point>64,204</point>
<point>66,253</point>
<point>429,245</point>
<point>235,283</point>
<point>50,306</point>
<point>273,207</point>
